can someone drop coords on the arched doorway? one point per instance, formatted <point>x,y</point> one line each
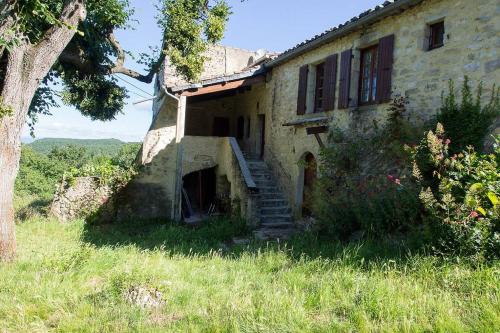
<point>310,175</point>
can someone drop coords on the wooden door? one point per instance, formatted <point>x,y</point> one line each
<point>310,175</point>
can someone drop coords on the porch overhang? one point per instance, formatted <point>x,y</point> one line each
<point>222,83</point>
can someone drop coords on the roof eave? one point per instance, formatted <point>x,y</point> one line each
<point>344,30</point>
<point>228,78</point>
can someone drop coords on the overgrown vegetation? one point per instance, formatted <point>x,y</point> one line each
<point>442,191</point>
<point>69,279</point>
<point>467,122</point>
<point>40,174</point>
<point>461,196</point>
<point>360,188</point>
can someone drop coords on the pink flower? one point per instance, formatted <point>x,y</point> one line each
<point>390,178</point>
<point>398,181</point>
<point>474,215</point>
<point>448,141</point>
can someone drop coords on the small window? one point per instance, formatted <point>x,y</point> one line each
<point>319,94</point>
<point>436,35</point>
<point>368,75</point>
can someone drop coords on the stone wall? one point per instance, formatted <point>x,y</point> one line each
<point>221,61</point>
<point>79,199</point>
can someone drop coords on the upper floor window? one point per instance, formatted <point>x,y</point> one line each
<point>319,88</point>
<point>368,80</point>
<point>436,35</point>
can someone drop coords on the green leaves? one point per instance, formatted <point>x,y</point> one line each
<point>493,198</point>
<point>189,27</point>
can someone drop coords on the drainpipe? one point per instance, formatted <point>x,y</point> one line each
<point>176,208</point>
<point>169,94</point>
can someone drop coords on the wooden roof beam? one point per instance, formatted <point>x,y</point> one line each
<point>225,86</point>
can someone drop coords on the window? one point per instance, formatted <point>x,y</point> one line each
<point>319,93</point>
<point>436,35</point>
<point>368,75</point>
<point>248,127</point>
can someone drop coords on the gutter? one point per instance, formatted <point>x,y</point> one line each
<point>350,26</point>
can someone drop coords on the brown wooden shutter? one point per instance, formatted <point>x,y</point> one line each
<point>302,97</point>
<point>345,79</point>
<point>384,69</point>
<point>330,81</point>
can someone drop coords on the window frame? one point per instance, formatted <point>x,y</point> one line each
<point>319,87</point>
<point>373,75</point>
<point>433,28</point>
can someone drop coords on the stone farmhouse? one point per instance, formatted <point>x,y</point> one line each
<point>250,131</point>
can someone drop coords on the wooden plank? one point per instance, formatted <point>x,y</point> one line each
<point>225,86</point>
<point>302,92</point>
<point>345,79</point>
<point>320,142</point>
<point>384,75</point>
<point>317,130</point>
<point>330,82</point>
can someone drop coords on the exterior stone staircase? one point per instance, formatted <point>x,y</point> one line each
<point>276,220</point>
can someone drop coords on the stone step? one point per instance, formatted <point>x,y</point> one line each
<point>262,175</point>
<point>269,189</point>
<point>277,225</point>
<point>273,218</point>
<point>265,183</point>
<point>266,234</point>
<point>272,196</point>
<point>264,203</point>
<point>264,172</point>
<point>257,166</point>
<point>280,210</point>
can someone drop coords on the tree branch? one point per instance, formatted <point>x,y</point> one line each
<point>73,13</point>
<point>119,67</point>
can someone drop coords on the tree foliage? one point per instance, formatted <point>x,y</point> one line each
<point>87,65</point>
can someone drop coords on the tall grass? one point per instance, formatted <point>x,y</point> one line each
<point>71,278</point>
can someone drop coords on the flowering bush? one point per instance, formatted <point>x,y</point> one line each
<point>460,194</point>
<point>360,188</point>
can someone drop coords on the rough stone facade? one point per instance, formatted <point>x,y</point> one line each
<point>471,44</point>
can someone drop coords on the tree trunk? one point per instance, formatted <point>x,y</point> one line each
<point>26,67</point>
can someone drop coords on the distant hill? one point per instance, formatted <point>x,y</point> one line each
<point>97,146</point>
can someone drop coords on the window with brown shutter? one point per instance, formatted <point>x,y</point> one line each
<point>330,82</point>
<point>384,69</point>
<point>375,74</point>
<point>368,75</point>
<point>319,88</point>
<point>345,79</point>
<point>302,94</point>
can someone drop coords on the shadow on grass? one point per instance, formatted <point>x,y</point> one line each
<point>216,236</point>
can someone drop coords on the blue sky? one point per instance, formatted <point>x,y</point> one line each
<point>275,25</point>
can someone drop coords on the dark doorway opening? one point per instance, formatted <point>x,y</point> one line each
<point>199,193</point>
<point>221,127</point>
<point>262,135</point>
<point>310,175</point>
<point>240,128</point>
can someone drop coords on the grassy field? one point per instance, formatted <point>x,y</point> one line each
<point>73,278</point>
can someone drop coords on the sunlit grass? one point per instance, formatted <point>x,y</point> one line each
<point>71,278</point>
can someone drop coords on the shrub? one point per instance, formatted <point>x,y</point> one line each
<point>467,122</point>
<point>360,184</point>
<point>461,195</point>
